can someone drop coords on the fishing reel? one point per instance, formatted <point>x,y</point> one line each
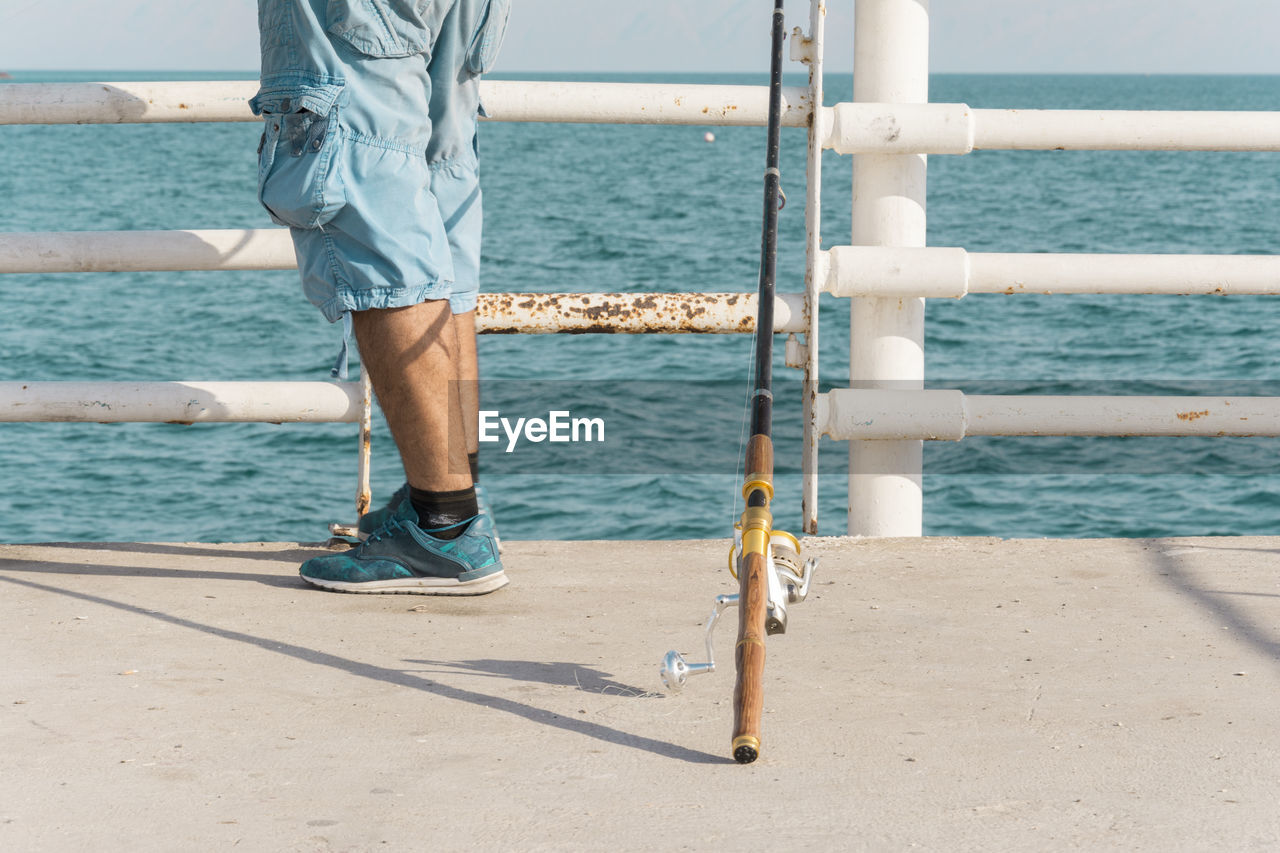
<point>788,579</point>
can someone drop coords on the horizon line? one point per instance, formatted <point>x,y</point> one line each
<point>760,72</point>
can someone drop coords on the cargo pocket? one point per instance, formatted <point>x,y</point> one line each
<point>487,40</point>
<point>299,158</point>
<point>381,28</point>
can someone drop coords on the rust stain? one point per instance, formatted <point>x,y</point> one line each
<point>183,107</point>
<point>1192,416</point>
<point>613,313</point>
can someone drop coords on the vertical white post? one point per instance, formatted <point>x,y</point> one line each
<point>812,287</point>
<point>886,343</point>
<point>363,491</point>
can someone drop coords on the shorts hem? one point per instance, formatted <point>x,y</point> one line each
<point>384,297</point>
<point>461,303</point>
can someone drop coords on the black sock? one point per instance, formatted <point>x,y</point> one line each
<point>441,513</point>
<point>473,459</point>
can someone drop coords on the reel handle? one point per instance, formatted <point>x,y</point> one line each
<point>676,670</point>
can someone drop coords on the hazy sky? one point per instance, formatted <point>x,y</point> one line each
<point>1143,36</point>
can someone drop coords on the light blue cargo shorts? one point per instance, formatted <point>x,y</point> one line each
<point>369,151</point>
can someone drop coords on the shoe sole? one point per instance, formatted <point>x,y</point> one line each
<point>417,586</point>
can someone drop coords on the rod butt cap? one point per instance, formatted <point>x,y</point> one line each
<point>746,749</point>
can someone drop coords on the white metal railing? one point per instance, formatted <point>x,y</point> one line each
<point>609,103</point>
<point>887,272</point>
<point>867,128</point>
<point>498,313</point>
<point>180,402</point>
<point>860,415</point>
<point>953,273</point>
<point>809,49</point>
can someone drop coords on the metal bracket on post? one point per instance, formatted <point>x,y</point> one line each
<point>797,352</point>
<point>801,47</point>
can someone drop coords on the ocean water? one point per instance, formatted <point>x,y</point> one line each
<point>600,208</point>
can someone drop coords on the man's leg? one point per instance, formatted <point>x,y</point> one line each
<point>468,377</point>
<point>467,388</point>
<point>412,355</point>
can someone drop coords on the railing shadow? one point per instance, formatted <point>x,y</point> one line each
<point>1175,574</point>
<point>562,674</point>
<point>103,570</point>
<point>403,678</point>
<point>304,551</point>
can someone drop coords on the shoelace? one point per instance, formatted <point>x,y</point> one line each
<point>391,526</point>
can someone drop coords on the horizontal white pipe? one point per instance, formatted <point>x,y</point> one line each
<point>864,414</point>
<point>848,128</point>
<point>499,313</point>
<point>1127,130</point>
<point>941,272</point>
<point>145,251</point>
<point>180,402</point>
<point>878,128</point>
<point>633,313</point>
<point>640,103</point>
<point>504,100</point>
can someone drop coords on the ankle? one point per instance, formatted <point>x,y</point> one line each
<point>444,514</point>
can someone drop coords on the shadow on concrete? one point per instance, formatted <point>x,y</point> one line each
<point>299,554</point>
<point>562,674</point>
<point>405,679</point>
<point>99,570</point>
<point>1216,602</point>
<point>1174,545</point>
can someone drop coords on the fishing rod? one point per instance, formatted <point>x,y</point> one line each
<point>765,561</point>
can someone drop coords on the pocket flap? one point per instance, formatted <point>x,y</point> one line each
<point>383,28</point>
<point>488,37</point>
<point>292,93</point>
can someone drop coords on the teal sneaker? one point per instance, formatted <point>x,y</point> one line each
<point>372,520</point>
<point>400,557</point>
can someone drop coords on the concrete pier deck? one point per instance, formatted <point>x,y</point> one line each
<point>935,694</point>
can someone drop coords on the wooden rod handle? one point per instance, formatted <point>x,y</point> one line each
<point>760,456</point>
<point>748,694</point>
